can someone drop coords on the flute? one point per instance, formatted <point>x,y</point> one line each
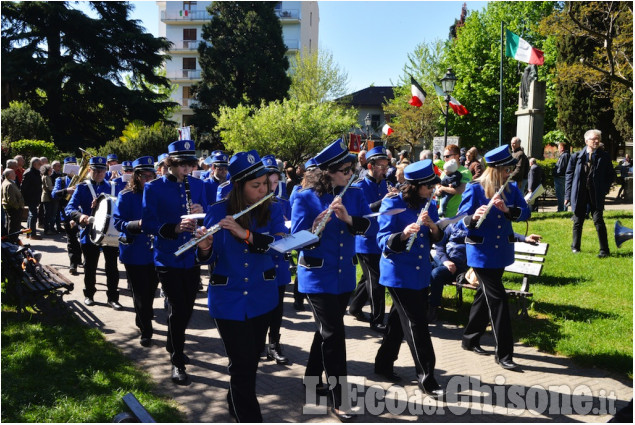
<point>326,217</point>
<point>215,228</point>
<point>491,203</point>
<point>411,239</point>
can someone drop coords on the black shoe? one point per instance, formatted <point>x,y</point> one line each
<point>343,416</point>
<point>361,316</point>
<point>89,301</point>
<point>388,375</point>
<point>298,305</point>
<point>508,364</point>
<point>178,375</point>
<point>378,327</point>
<point>146,342</point>
<point>73,271</point>
<point>274,352</point>
<point>603,254</point>
<point>475,349</point>
<point>435,391</point>
<point>115,305</point>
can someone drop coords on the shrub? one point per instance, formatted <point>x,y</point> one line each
<point>149,141</point>
<point>20,121</point>
<point>30,148</point>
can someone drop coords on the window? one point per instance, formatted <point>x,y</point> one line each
<point>374,120</point>
<point>189,34</point>
<point>187,92</point>
<point>188,64</point>
<point>187,120</point>
<point>189,5</point>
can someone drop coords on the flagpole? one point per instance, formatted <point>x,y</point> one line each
<point>500,107</point>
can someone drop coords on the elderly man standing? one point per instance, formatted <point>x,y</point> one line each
<point>12,202</point>
<point>589,177</point>
<point>520,174</point>
<point>32,192</point>
<point>19,171</point>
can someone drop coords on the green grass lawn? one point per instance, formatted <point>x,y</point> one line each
<point>54,369</point>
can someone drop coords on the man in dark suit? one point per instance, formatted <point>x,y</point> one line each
<point>32,192</point>
<point>589,177</point>
<point>535,179</point>
<point>559,172</point>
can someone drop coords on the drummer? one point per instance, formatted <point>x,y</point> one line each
<point>80,208</point>
<point>121,182</point>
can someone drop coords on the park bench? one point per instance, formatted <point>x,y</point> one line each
<point>33,281</point>
<point>528,262</point>
<point>138,414</point>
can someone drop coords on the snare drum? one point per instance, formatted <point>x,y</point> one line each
<point>103,232</point>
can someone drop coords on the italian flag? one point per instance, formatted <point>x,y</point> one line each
<point>418,94</point>
<point>387,130</point>
<point>457,107</point>
<point>520,50</point>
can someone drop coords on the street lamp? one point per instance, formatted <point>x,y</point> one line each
<point>447,84</point>
<point>368,121</point>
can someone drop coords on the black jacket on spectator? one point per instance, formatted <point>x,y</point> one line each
<point>31,186</point>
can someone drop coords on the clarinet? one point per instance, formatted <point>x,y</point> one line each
<point>491,203</point>
<point>188,199</point>
<point>326,217</point>
<point>411,239</point>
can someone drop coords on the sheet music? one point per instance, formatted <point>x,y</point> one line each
<point>295,241</point>
<point>531,197</point>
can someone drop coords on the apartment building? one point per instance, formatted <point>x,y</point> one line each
<point>181,22</point>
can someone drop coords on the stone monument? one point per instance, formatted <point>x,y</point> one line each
<point>530,121</point>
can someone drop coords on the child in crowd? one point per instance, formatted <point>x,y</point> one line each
<point>452,179</point>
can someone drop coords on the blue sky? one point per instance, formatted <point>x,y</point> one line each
<point>370,40</point>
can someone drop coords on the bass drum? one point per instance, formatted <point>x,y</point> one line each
<point>103,232</point>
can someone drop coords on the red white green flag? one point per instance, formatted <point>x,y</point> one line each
<point>519,49</point>
<point>387,130</point>
<point>418,94</point>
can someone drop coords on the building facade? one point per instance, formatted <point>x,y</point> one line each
<point>182,22</point>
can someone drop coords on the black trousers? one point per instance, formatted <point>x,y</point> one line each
<point>369,288</point>
<point>91,257</point>
<point>14,223</point>
<point>276,316</point>
<point>244,341</point>
<point>490,305</point>
<point>72,244</point>
<point>143,282</point>
<point>600,227</point>
<point>180,287</point>
<point>328,351</point>
<point>408,318</point>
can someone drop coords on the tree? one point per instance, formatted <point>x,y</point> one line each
<point>20,121</point>
<point>141,141</point>
<point>243,60</point>
<point>70,68</point>
<point>315,77</point>
<point>292,130</point>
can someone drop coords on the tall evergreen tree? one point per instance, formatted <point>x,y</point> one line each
<point>243,60</point>
<point>71,68</point>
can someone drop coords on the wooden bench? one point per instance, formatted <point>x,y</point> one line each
<point>139,413</point>
<point>34,282</point>
<point>529,261</point>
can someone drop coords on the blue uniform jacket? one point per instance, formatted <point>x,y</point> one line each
<point>452,246</point>
<point>373,193</point>
<point>59,192</point>
<point>80,204</point>
<point>399,268</point>
<point>138,247</point>
<point>164,202</point>
<point>491,246</point>
<point>211,187</point>
<point>223,190</point>
<point>329,266</point>
<point>243,284</point>
<point>119,184</point>
<point>283,274</point>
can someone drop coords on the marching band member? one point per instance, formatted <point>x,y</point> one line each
<point>326,273</point>
<point>111,159</point>
<point>79,209</point>
<point>119,182</point>
<point>243,290</point>
<point>135,246</point>
<point>217,176</point>
<point>165,200</point>
<point>490,248</point>
<point>375,189</point>
<point>406,274</point>
<point>160,166</point>
<point>283,274</point>
<point>60,191</point>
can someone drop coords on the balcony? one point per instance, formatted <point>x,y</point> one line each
<point>288,15</point>
<point>185,46</point>
<point>184,75</point>
<point>185,16</point>
<point>187,103</point>
<point>293,44</point>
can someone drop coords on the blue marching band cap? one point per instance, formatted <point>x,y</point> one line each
<point>244,165</point>
<point>420,173</point>
<point>378,152</point>
<point>182,150</point>
<point>97,162</point>
<point>310,164</point>
<point>112,157</point>
<point>127,165</point>
<point>269,161</point>
<point>333,154</point>
<point>143,163</point>
<point>70,160</point>
<point>500,156</point>
<point>161,158</point>
<point>219,158</point>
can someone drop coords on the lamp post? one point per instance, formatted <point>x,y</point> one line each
<point>447,84</point>
<point>368,122</point>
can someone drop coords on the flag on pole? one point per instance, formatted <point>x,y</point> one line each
<point>184,133</point>
<point>519,49</point>
<point>457,107</point>
<point>439,91</point>
<point>418,94</point>
<point>387,130</point>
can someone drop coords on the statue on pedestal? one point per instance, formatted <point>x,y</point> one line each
<point>529,75</point>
